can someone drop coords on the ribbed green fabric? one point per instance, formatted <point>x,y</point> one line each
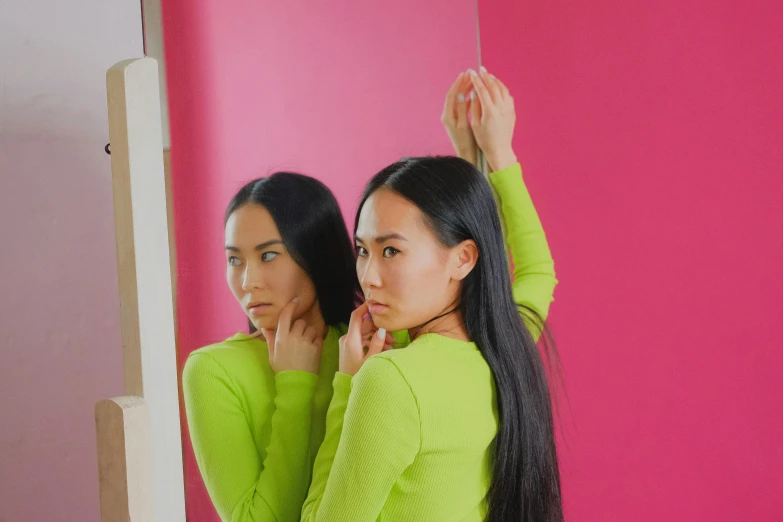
<point>534,270</point>
<point>255,434</point>
<point>409,438</point>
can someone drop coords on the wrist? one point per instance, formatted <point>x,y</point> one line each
<point>470,156</point>
<point>298,369</point>
<point>296,384</point>
<point>342,382</point>
<point>467,151</point>
<point>347,370</point>
<point>501,159</point>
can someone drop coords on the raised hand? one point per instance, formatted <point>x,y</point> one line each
<point>493,119</point>
<point>293,347</point>
<point>455,118</point>
<point>362,341</point>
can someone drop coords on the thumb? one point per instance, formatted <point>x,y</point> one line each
<point>377,342</point>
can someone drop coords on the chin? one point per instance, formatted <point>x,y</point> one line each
<point>387,323</point>
<point>268,323</point>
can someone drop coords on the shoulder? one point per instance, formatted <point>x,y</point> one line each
<point>237,347</point>
<point>414,352</point>
<point>432,359</point>
<point>225,361</point>
<point>382,396</point>
<point>383,376</point>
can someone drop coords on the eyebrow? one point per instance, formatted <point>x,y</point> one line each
<point>262,246</point>
<point>383,239</point>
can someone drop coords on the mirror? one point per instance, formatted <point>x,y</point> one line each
<point>333,90</point>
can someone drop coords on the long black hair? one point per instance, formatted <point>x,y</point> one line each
<point>458,205</point>
<point>314,233</point>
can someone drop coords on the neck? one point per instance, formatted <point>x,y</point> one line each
<point>450,324</point>
<point>312,317</point>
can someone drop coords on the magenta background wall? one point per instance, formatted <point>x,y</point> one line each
<point>651,135</point>
<point>336,90</point>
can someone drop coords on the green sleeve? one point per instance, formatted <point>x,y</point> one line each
<point>242,487</point>
<point>534,268</point>
<point>372,435</point>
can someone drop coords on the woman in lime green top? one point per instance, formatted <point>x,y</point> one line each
<point>256,404</point>
<point>457,426</point>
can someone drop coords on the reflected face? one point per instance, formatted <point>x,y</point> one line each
<point>406,273</point>
<point>260,272</point>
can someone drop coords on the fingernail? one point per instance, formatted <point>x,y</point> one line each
<point>381,333</point>
<point>295,300</point>
<point>472,95</point>
<point>461,98</point>
<point>472,72</point>
<point>483,69</point>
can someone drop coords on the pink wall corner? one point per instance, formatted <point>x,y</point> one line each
<point>335,90</point>
<point>650,136</point>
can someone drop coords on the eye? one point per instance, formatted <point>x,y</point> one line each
<point>390,252</point>
<point>361,251</point>
<point>234,261</point>
<point>268,256</point>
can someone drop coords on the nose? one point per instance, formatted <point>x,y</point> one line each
<point>369,274</point>
<point>252,278</point>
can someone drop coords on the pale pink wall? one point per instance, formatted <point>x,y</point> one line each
<point>60,345</point>
<point>336,90</point>
<point>651,135</point>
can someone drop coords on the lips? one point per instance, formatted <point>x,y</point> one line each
<point>376,308</point>
<point>258,308</point>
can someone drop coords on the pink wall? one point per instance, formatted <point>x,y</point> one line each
<point>336,90</point>
<point>652,137</point>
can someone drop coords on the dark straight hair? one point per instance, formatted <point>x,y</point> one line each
<point>458,205</point>
<point>314,233</point>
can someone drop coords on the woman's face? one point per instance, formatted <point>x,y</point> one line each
<point>260,272</point>
<point>408,276</point>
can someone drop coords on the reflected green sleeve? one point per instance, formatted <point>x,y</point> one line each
<point>241,487</point>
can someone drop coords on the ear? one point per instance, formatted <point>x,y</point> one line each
<point>463,259</point>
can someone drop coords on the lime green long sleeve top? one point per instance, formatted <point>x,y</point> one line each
<point>255,433</point>
<point>410,436</point>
